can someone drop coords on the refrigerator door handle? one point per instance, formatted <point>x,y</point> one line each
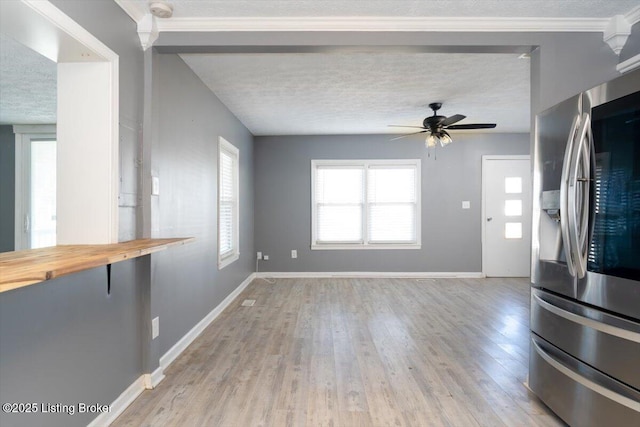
<point>564,196</point>
<point>586,382</point>
<point>578,196</point>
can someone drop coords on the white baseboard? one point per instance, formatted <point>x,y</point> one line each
<point>118,406</point>
<point>373,274</point>
<point>153,379</point>
<point>184,342</point>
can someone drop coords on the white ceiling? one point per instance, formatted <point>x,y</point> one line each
<point>27,85</point>
<point>362,93</point>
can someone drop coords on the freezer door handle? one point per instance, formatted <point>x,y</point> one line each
<point>586,382</point>
<point>585,321</point>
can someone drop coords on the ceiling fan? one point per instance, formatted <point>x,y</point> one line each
<point>437,127</point>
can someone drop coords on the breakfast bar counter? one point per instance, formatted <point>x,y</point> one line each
<point>23,268</point>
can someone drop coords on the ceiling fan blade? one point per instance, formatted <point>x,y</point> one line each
<point>409,134</point>
<point>453,119</point>
<point>473,126</point>
<point>403,126</point>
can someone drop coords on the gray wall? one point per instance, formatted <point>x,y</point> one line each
<point>450,235</point>
<point>67,341</point>
<point>7,188</point>
<point>632,46</point>
<point>187,121</point>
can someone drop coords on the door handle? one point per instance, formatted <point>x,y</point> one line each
<point>489,219</point>
<point>564,196</point>
<point>579,206</point>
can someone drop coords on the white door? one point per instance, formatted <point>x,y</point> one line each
<point>506,188</point>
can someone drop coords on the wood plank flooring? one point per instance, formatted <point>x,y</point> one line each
<point>356,352</point>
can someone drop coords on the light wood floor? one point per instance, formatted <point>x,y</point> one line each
<point>356,352</point>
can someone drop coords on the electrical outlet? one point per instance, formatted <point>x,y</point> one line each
<point>294,253</point>
<point>266,257</point>
<point>466,204</point>
<point>259,256</point>
<point>155,328</point>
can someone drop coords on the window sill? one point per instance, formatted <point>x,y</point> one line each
<point>222,263</point>
<point>371,246</point>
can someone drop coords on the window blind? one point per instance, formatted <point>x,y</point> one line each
<point>227,202</point>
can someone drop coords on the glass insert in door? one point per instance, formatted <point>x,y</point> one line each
<point>615,241</point>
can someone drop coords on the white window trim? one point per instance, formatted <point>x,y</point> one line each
<point>366,245</point>
<point>224,145</point>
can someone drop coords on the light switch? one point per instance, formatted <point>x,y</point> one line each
<point>155,327</point>
<point>466,204</point>
<point>155,186</point>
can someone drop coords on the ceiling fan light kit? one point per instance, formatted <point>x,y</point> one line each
<point>435,126</point>
<point>442,137</point>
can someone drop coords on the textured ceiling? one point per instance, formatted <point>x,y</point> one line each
<point>363,92</point>
<point>27,85</point>
<point>337,93</point>
<point>444,8</point>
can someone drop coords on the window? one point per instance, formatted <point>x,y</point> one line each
<point>35,203</point>
<point>513,207</point>
<point>228,204</point>
<point>365,204</point>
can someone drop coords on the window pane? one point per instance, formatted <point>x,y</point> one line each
<point>513,185</point>
<point>43,194</point>
<point>339,185</point>
<point>339,223</point>
<point>513,230</point>
<point>391,185</point>
<point>513,207</point>
<point>392,223</point>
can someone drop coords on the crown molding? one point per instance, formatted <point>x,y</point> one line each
<point>372,23</point>
<point>617,33</point>
<point>630,64</point>
<point>132,9</point>
<point>633,16</point>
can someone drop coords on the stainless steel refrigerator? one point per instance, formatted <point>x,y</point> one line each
<point>585,292</point>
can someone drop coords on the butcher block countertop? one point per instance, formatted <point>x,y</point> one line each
<point>24,268</point>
